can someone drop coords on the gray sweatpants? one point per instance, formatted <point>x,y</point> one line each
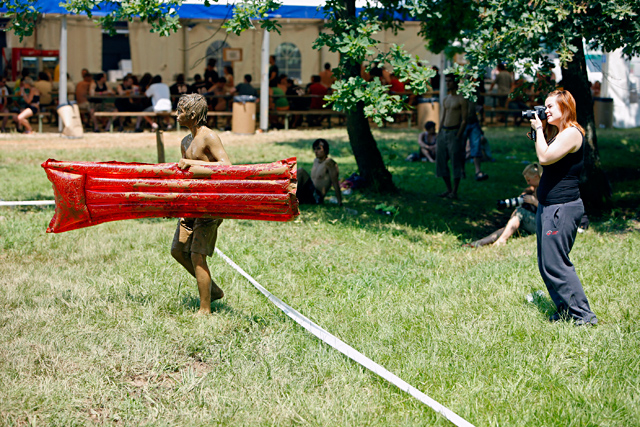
<point>556,228</point>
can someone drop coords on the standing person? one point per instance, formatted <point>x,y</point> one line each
<point>195,239</point>
<point>473,133</point>
<point>31,97</point>
<point>273,70</point>
<point>228,75</point>
<point>324,175</point>
<point>560,207</point>
<point>450,143</point>
<point>504,82</point>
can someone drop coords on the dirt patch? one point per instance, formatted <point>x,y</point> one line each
<point>37,141</point>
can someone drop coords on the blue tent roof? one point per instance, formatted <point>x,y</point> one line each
<point>196,11</point>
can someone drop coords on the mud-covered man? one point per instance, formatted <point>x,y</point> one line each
<point>195,239</point>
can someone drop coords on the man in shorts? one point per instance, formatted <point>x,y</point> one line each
<point>324,175</point>
<point>450,143</point>
<point>195,239</point>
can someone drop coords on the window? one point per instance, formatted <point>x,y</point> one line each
<point>215,51</point>
<point>289,61</point>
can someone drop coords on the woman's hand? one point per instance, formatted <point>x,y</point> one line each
<point>535,122</point>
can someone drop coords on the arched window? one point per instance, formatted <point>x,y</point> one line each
<point>215,51</point>
<point>289,61</point>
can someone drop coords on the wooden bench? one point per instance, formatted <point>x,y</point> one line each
<point>288,113</point>
<point>493,112</point>
<point>158,116</point>
<point>116,114</point>
<point>39,115</point>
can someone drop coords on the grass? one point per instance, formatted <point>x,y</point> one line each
<point>98,325</point>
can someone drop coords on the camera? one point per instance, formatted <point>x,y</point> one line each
<point>538,109</point>
<point>510,203</point>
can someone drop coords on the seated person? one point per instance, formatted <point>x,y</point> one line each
<point>523,216</point>
<point>324,175</point>
<point>200,86</point>
<point>427,144</point>
<point>5,101</point>
<point>178,89</point>
<point>46,89</point>
<point>160,103</point>
<point>123,104</point>
<point>99,87</point>
<point>245,87</point>
<point>31,97</point>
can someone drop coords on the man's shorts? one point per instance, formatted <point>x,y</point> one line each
<point>308,194</point>
<point>449,146</point>
<point>197,235</point>
<point>527,219</point>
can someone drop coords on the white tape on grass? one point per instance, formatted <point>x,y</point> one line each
<point>28,203</point>
<point>349,351</point>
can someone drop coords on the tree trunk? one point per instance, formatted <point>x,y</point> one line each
<point>594,184</point>
<point>365,149</point>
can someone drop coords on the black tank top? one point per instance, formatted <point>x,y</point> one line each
<point>559,182</point>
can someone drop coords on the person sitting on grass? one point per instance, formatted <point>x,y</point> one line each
<point>195,238</point>
<point>324,175</point>
<point>523,216</point>
<point>427,145</point>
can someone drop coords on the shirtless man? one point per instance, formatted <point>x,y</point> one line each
<point>195,239</point>
<point>450,143</point>
<point>324,174</point>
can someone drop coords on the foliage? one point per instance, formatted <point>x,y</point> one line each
<point>27,12</point>
<point>523,33</point>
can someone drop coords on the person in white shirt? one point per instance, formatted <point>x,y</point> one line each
<point>160,95</point>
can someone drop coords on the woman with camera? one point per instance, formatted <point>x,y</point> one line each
<point>560,207</point>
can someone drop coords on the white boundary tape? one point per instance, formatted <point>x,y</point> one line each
<point>29,203</point>
<point>349,351</point>
<point>323,335</point>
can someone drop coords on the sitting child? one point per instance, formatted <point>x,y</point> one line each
<point>523,216</point>
<point>427,144</point>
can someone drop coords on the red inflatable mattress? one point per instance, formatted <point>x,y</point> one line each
<point>92,193</point>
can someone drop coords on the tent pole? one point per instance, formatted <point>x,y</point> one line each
<point>185,33</point>
<point>62,79</point>
<point>264,83</point>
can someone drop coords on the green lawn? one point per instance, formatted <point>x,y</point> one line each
<point>98,325</point>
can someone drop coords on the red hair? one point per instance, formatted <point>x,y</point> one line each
<point>567,105</point>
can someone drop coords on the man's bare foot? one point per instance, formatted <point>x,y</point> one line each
<point>203,312</point>
<point>499,243</point>
<point>216,292</point>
